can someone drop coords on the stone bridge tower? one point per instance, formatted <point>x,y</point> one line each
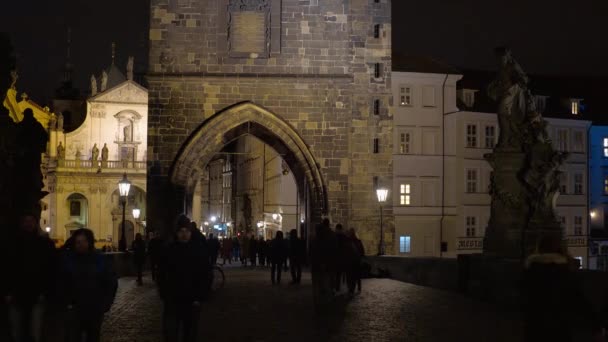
<point>311,78</point>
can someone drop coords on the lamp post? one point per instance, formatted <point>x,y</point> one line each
<point>123,188</point>
<point>136,213</point>
<point>382,194</point>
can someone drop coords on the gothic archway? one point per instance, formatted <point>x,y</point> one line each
<point>248,118</point>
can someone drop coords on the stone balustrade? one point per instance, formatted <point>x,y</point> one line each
<point>96,165</point>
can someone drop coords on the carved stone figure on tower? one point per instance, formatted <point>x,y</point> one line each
<point>60,151</point>
<point>93,85</point>
<point>94,154</point>
<point>104,153</point>
<point>104,81</point>
<point>60,122</point>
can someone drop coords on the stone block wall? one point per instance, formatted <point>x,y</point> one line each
<point>319,76</point>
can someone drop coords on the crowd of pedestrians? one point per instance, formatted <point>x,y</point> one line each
<point>41,281</point>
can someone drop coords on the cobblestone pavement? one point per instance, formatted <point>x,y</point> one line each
<point>249,308</point>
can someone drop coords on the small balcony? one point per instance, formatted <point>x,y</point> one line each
<point>98,166</point>
<point>469,243</point>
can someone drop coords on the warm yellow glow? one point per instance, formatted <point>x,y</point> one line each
<point>592,214</point>
<point>382,195</point>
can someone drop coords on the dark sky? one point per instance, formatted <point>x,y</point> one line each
<point>546,36</point>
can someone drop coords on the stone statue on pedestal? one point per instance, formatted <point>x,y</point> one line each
<point>60,122</point>
<point>525,176</point>
<point>60,151</point>
<point>104,152</point>
<point>104,81</point>
<point>94,154</point>
<point>93,85</point>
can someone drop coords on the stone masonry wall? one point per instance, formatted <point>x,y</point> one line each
<point>322,82</point>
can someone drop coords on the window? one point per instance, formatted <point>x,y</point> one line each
<point>562,139</point>
<point>578,183</point>
<point>405,140</point>
<point>605,147</point>
<point>606,185</point>
<point>471,181</point>
<point>405,95</point>
<point>405,193</point>
<point>578,141</point>
<point>575,107</point>
<point>563,183</point>
<point>377,70</point>
<point>578,225</point>
<point>376,107</point>
<point>377,31</point>
<point>471,226</point>
<point>471,136</point>
<point>376,145</point>
<point>490,136</point>
<point>405,244</point>
<point>75,208</point>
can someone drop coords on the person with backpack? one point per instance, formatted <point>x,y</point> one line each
<point>88,287</point>
<point>27,283</point>
<point>183,282</point>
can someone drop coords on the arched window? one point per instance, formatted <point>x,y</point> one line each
<point>78,207</point>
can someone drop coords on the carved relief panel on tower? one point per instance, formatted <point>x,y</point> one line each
<point>252,28</point>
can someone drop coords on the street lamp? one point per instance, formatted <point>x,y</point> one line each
<point>213,218</point>
<point>123,188</point>
<point>47,229</point>
<point>382,194</point>
<point>136,213</point>
<point>275,216</point>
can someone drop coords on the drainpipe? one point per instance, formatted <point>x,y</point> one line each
<point>442,166</point>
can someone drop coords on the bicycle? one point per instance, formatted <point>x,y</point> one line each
<point>217,278</point>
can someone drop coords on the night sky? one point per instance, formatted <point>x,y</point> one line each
<point>547,37</point>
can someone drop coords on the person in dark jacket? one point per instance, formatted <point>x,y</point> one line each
<point>297,254</point>
<point>278,254</point>
<point>214,248</point>
<point>88,287</point>
<point>358,261</point>
<point>183,284</point>
<point>253,250</point>
<point>28,280</point>
<point>155,246</point>
<point>551,294</point>
<point>139,256</point>
<point>236,248</point>
<point>323,260</point>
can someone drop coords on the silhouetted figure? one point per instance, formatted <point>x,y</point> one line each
<point>323,259</point>
<point>155,246</point>
<point>139,256</point>
<point>552,294</point>
<point>262,251</point>
<point>253,250</point>
<point>297,254</point>
<point>244,249</point>
<point>227,251</point>
<point>88,287</point>
<point>357,263</point>
<point>28,279</point>
<point>342,257</point>
<point>236,248</point>
<point>278,254</point>
<point>183,283</point>
<point>214,248</point>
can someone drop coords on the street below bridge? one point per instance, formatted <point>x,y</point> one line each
<point>249,308</point>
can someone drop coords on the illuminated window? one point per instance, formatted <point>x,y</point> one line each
<point>471,136</point>
<point>405,194</point>
<point>605,147</point>
<point>405,143</point>
<point>578,225</point>
<point>605,185</point>
<point>575,106</point>
<point>578,183</point>
<point>377,31</point>
<point>405,95</point>
<point>471,181</point>
<point>405,244</point>
<point>471,226</point>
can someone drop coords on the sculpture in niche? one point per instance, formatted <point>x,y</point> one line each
<point>525,177</point>
<point>128,132</point>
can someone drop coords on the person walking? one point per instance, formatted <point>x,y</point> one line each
<point>139,256</point>
<point>253,250</point>
<point>183,282</point>
<point>28,280</point>
<point>155,246</point>
<point>297,254</point>
<point>262,252</point>
<point>236,248</point>
<point>88,287</point>
<point>244,250</point>
<point>214,248</point>
<point>360,253</point>
<point>278,254</point>
<point>227,250</point>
